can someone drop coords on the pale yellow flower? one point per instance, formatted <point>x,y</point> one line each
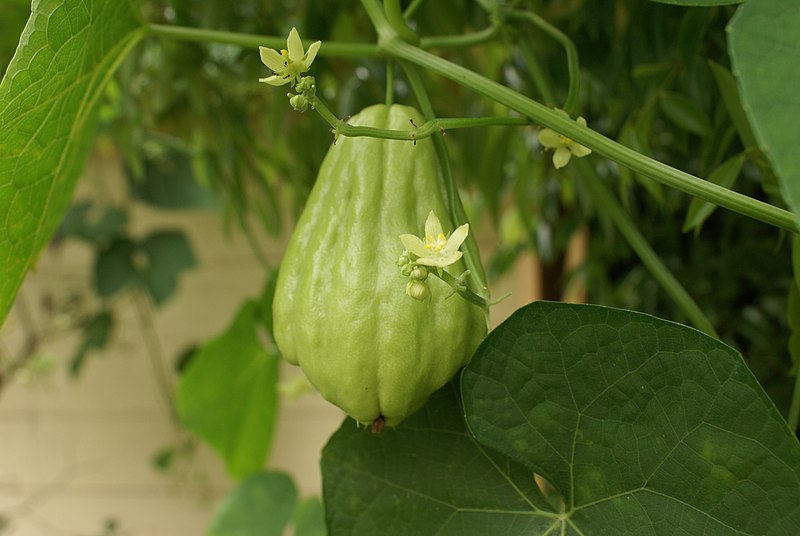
<point>437,249</point>
<point>563,147</point>
<point>290,63</point>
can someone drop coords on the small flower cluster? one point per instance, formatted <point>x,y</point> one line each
<point>288,65</point>
<point>437,251</point>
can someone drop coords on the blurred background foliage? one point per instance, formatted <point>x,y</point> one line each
<point>196,129</point>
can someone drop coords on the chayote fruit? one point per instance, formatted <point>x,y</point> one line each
<point>341,310</point>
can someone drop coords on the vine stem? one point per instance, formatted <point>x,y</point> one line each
<point>417,132</point>
<point>457,214</point>
<point>144,314</point>
<point>648,167</point>
<point>329,48</point>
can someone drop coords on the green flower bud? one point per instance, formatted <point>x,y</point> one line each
<point>298,102</point>
<point>419,273</point>
<point>306,84</point>
<point>418,290</point>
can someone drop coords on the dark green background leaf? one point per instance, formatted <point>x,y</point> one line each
<point>168,254</point>
<point>153,264</point>
<point>684,113</point>
<point>645,426</point>
<point>724,175</point>
<point>114,268</point>
<point>228,395</point>
<point>48,101</point>
<point>95,337</point>
<point>429,476</point>
<point>764,45</point>
<point>93,223</point>
<point>262,505</point>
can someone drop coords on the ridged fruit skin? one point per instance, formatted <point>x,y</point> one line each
<point>340,309</point>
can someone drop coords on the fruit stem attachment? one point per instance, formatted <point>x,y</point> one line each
<point>378,424</point>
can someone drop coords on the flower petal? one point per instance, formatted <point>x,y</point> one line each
<point>433,227</point>
<point>549,138</point>
<point>294,45</point>
<point>312,53</point>
<point>440,261</point>
<point>561,157</point>
<point>455,240</point>
<point>272,59</point>
<point>275,80</point>
<point>413,244</point>
<point>579,150</point>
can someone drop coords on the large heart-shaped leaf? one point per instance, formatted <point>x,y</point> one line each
<point>644,426</point>
<point>765,46</point>
<point>48,103</point>
<point>429,476</point>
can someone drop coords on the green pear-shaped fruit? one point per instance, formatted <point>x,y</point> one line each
<point>341,310</point>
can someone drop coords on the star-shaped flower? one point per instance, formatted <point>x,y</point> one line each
<point>563,147</point>
<point>290,63</point>
<point>437,250</point>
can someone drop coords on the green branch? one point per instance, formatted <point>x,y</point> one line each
<point>340,127</point>
<point>600,144</point>
<point>471,254</point>
<point>334,49</point>
<point>200,35</point>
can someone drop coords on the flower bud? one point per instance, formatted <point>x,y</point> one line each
<point>298,102</point>
<point>420,273</point>
<point>418,290</point>
<point>306,83</point>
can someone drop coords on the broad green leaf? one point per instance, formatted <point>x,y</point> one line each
<point>262,505</point>
<point>684,113</point>
<point>724,175</point>
<point>764,45</point>
<point>228,394</point>
<point>644,426</point>
<point>48,103</point>
<point>428,476</point>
